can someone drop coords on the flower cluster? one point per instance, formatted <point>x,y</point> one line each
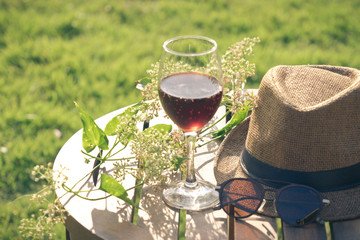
<point>150,85</point>
<point>149,90</point>
<point>236,69</point>
<point>234,62</point>
<point>127,127</point>
<point>41,226</point>
<point>158,154</point>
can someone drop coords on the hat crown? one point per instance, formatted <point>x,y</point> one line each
<point>307,86</point>
<point>307,118</point>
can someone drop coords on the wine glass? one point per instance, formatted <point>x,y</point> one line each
<point>190,92</point>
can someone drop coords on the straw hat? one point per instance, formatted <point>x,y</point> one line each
<point>305,129</point>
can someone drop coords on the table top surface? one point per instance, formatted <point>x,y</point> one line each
<point>110,218</point>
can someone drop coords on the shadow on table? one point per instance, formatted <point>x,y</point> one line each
<point>163,221</point>
<point>110,225</point>
<point>256,227</point>
<point>197,229</point>
<point>156,220</point>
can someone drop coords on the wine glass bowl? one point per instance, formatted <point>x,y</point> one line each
<point>190,92</point>
<point>190,99</point>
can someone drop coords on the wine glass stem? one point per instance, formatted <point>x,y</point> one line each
<point>190,170</point>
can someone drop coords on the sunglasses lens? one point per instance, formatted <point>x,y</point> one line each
<point>240,197</point>
<point>298,205</point>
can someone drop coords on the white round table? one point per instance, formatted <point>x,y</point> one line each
<point>111,218</point>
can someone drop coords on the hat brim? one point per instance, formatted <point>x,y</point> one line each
<point>344,204</point>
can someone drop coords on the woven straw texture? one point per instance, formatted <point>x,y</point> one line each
<point>307,119</point>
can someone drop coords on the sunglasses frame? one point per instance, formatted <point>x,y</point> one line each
<point>277,191</point>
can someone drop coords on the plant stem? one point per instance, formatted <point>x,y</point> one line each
<point>89,155</point>
<point>78,195</point>
<point>138,189</point>
<point>182,219</point>
<point>68,190</point>
<point>118,151</point>
<point>212,125</point>
<point>29,195</point>
<point>117,141</point>
<point>63,185</point>
<point>211,140</point>
<point>137,194</point>
<point>136,200</point>
<point>119,159</point>
<point>182,225</point>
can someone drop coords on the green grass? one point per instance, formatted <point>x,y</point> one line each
<point>55,52</point>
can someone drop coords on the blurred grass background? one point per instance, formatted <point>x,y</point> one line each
<point>55,52</point>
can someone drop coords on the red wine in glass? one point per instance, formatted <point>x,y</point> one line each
<point>190,99</point>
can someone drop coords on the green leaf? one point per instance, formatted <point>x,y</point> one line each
<point>113,187</point>
<point>92,135</point>
<point>178,162</point>
<point>162,128</point>
<point>112,126</point>
<point>235,120</point>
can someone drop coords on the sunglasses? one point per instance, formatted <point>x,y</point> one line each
<point>295,204</point>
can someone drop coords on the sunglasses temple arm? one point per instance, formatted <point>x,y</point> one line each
<point>307,218</point>
<point>311,215</point>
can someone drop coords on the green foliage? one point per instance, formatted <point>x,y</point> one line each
<point>93,136</point>
<point>236,118</point>
<point>112,186</point>
<point>162,128</point>
<point>55,52</point>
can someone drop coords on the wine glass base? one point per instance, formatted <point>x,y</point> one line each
<point>202,196</point>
